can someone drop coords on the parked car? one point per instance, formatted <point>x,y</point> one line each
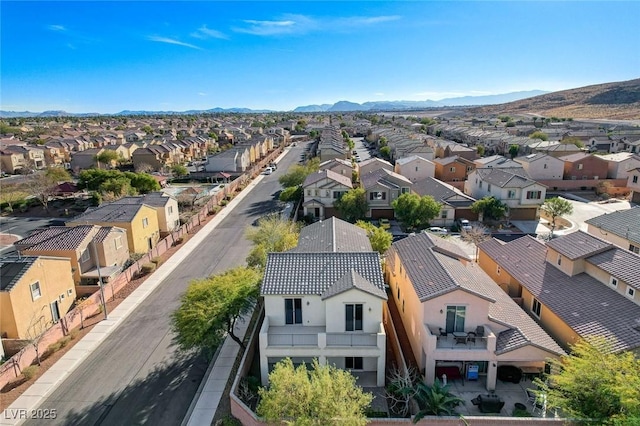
<point>384,223</point>
<point>438,230</point>
<point>267,171</point>
<point>464,224</point>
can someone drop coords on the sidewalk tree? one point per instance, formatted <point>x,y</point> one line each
<point>321,395</point>
<point>352,205</point>
<point>595,384</point>
<point>379,238</point>
<point>476,235</point>
<point>490,207</point>
<point>36,330</point>
<point>297,173</point>
<point>212,306</point>
<point>414,211</point>
<point>81,306</point>
<point>272,234</point>
<point>556,207</point>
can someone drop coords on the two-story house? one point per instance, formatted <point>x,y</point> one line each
<point>320,190</point>
<point>576,286</point>
<point>620,163</point>
<point>325,300</point>
<point>522,195</point>
<point>415,168</point>
<point>382,188</point>
<point>581,166</point>
<point>454,315</point>
<point>88,247</point>
<point>454,203</point>
<point>139,220</point>
<point>373,164</point>
<point>633,183</point>
<point>621,228</point>
<point>165,205</point>
<point>339,166</point>
<point>453,170</point>
<point>35,292</point>
<point>540,166</point>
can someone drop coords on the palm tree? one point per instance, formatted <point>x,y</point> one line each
<point>435,400</point>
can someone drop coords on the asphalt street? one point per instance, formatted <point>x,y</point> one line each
<point>138,376</point>
<point>20,226</point>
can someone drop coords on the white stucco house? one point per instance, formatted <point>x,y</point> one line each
<point>415,168</point>
<point>325,300</point>
<point>321,189</point>
<point>540,166</point>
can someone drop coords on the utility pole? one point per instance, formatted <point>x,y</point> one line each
<point>100,283</point>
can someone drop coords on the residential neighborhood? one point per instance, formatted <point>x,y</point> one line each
<point>485,314</point>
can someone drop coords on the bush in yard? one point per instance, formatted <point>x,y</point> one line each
<point>178,241</point>
<point>30,372</point>
<point>148,268</point>
<point>156,261</point>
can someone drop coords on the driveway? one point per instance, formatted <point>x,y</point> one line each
<point>583,211</point>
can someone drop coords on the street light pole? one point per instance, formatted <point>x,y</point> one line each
<point>100,283</point>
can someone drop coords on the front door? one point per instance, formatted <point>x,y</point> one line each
<point>55,312</point>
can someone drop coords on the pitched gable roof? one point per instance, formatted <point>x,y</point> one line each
<point>351,280</point>
<point>333,235</point>
<point>505,179</point>
<point>12,269</point>
<point>622,264</point>
<point>578,245</point>
<point>328,174</point>
<point>623,223</point>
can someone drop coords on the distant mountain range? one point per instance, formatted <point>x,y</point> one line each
<point>342,106</point>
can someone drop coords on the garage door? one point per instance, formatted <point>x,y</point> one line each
<point>382,213</point>
<point>522,214</point>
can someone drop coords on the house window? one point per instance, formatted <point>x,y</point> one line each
<point>353,317</point>
<point>293,311</point>
<point>170,209</point>
<point>35,290</point>
<point>580,166</point>
<point>70,291</point>
<point>338,194</point>
<point>416,168</point>
<point>308,192</point>
<point>452,169</point>
<point>544,167</point>
<point>635,179</point>
<point>145,222</point>
<point>634,249</point>
<point>61,297</point>
<point>404,190</point>
<point>536,307</point>
<point>469,168</point>
<point>559,259</point>
<point>631,292</point>
<point>534,195</point>
<point>443,214</point>
<point>498,269</point>
<point>511,193</point>
<point>399,287</point>
<point>377,195</point>
<point>85,256</point>
<point>118,242</point>
<point>455,318</point>
<point>353,363</point>
<point>480,184</point>
<point>613,281</point>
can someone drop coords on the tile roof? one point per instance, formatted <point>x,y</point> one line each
<point>384,177</point>
<point>292,273</point>
<point>327,174</point>
<point>351,280</point>
<point>71,238</point>
<point>114,213</point>
<point>516,178</point>
<point>441,191</point>
<point>622,264</point>
<point>12,268</point>
<point>578,245</point>
<point>40,235</point>
<point>433,274</point>
<point>586,305</point>
<point>332,235</point>
<point>623,223</point>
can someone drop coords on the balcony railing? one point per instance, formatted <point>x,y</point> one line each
<point>341,339</point>
<point>293,339</point>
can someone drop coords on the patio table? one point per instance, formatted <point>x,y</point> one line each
<point>460,336</point>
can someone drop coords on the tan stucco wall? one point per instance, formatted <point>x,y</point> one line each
<point>371,311</point>
<point>608,236</point>
<point>54,275</point>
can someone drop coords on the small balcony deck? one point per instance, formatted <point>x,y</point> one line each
<point>461,343</point>
<point>298,335</point>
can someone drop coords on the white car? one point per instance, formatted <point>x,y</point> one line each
<point>465,225</point>
<point>267,171</point>
<point>438,230</point>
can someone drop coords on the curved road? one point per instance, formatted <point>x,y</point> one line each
<point>137,375</point>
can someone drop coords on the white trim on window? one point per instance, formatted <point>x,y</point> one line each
<point>631,292</point>
<point>86,255</point>
<point>536,307</point>
<point>36,293</point>
<point>613,282</point>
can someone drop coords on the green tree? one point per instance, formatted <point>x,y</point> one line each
<point>435,400</point>
<point>107,157</point>
<point>539,135</point>
<point>321,395</point>
<point>211,307</point>
<point>513,150</point>
<point>352,205</point>
<point>119,187</point>
<point>556,207</point>
<point>490,207</point>
<point>481,150</point>
<point>142,182</point>
<point>42,184</point>
<point>414,211</point>
<point>385,152</point>
<point>573,140</point>
<point>147,129</point>
<point>379,238</point>
<point>271,235</point>
<point>179,170</point>
<point>595,384</point>
<point>292,193</point>
<point>297,173</point>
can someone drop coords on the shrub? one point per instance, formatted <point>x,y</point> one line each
<point>64,341</point>
<point>73,334</point>
<point>55,347</point>
<point>156,261</point>
<point>30,372</point>
<point>148,268</point>
<point>224,203</point>
<point>178,241</point>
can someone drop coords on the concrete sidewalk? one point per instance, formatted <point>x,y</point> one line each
<point>17,412</point>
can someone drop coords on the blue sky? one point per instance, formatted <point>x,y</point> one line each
<point>105,57</point>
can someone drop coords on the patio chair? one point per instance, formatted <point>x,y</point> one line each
<point>471,337</point>
<point>443,332</point>
<point>531,396</point>
<point>480,331</point>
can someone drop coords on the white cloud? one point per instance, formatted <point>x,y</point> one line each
<point>56,28</point>
<point>172,41</point>
<point>202,94</point>
<point>203,33</point>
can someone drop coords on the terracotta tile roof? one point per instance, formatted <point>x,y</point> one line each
<point>578,244</point>
<point>586,305</point>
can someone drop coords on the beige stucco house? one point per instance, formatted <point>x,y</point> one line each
<point>415,168</point>
<point>320,190</point>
